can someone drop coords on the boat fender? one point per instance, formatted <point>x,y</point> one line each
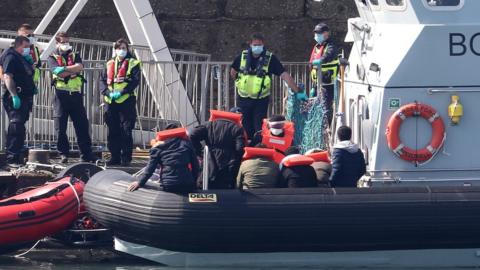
<point>253,152</point>
<point>297,160</point>
<point>320,156</point>
<point>171,133</point>
<point>393,133</point>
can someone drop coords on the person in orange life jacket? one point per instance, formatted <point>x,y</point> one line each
<point>225,140</point>
<point>176,163</point>
<point>324,61</point>
<point>258,172</point>
<point>297,176</point>
<point>66,67</point>
<point>117,85</point>
<point>322,169</point>
<point>275,136</point>
<point>348,162</point>
<point>252,71</point>
<point>18,100</point>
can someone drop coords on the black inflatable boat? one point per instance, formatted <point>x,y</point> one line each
<point>284,220</point>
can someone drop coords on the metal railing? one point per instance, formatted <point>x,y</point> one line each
<point>208,85</point>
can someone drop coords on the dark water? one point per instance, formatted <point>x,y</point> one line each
<point>91,259</point>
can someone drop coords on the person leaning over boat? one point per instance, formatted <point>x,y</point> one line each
<point>177,163</point>
<point>258,172</point>
<point>18,99</point>
<point>298,176</point>
<point>117,85</point>
<point>324,56</point>
<point>348,163</point>
<point>252,71</point>
<point>66,67</point>
<point>225,140</point>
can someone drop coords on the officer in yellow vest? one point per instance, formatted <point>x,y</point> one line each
<point>66,67</point>
<point>324,57</point>
<point>252,71</point>
<point>117,85</point>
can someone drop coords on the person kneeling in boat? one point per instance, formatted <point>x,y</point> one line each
<point>174,155</point>
<point>277,133</point>
<point>225,138</point>
<point>348,162</point>
<point>296,170</point>
<point>322,166</point>
<point>258,170</point>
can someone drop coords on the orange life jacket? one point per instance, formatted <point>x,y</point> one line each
<point>70,60</point>
<point>171,133</point>
<point>317,52</point>
<point>280,144</point>
<point>121,74</point>
<point>320,156</point>
<point>253,152</point>
<point>297,160</point>
<point>235,117</point>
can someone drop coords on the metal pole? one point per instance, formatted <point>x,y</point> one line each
<point>64,27</point>
<point>49,17</point>
<point>205,168</point>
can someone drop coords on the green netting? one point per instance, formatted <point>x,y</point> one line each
<point>311,124</point>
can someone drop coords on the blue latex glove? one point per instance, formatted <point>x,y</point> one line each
<point>313,92</point>
<point>58,70</point>
<point>114,95</point>
<point>35,90</point>
<point>16,102</point>
<point>317,62</point>
<point>301,96</point>
<point>29,59</point>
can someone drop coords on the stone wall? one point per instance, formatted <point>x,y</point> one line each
<point>217,27</point>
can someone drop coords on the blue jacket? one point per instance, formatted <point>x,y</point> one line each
<point>173,158</point>
<point>348,165</point>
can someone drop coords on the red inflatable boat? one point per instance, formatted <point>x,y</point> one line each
<point>40,212</point>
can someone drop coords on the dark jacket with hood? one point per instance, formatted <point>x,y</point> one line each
<point>226,141</point>
<point>175,158</point>
<point>348,165</point>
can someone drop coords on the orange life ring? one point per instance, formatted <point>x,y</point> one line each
<point>393,132</point>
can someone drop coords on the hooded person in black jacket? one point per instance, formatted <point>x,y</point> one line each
<point>225,140</point>
<point>176,162</point>
<point>297,176</point>
<point>348,163</point>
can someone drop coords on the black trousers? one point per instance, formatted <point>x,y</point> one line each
<point>66,105</point>
<point>16,125</point>
<point>327,101</point>
<point>253,111</point>
<point>120,119</point>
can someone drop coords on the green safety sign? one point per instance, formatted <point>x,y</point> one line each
<point>393,103</point>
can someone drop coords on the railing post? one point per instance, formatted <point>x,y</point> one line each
<point>205,168</point>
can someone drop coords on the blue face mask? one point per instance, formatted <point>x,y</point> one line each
<point>257,49</point>
<point>319,38</point>
<point>26,51</point>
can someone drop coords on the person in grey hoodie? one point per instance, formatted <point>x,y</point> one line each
<point>348,163</point>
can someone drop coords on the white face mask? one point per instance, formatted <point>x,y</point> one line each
<point>33,40</point>
<point>65,47</point>
<point>276,131</point>
<point>121,53</point>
